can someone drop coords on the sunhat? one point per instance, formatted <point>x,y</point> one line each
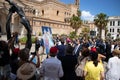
<point>26,71</point>
<point>116,52</point>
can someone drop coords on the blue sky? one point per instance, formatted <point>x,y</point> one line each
<point>90,8</point>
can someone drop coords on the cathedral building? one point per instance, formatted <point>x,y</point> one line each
<point>51,13</point>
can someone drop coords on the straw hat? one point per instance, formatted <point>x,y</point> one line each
<point>26,71</point>
<point>116,52</point>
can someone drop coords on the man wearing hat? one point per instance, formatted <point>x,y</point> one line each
<point>113,66</point>
<point>51,68</point>
<point>26,72</point>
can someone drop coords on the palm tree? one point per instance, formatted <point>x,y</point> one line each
<point>85,32</point>
<point>101,21</point>
<point>75,21</point>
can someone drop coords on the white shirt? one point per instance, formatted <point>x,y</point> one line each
<point>51,69</point>
<point>112,47</point>
<point>113,69</point>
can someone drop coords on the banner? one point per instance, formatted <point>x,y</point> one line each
<point>47,38</point>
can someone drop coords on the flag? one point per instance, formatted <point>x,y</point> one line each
<point>47,38</point>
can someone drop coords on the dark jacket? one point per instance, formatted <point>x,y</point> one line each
<point>68,63</point>
<point>4,54</point>
<point>78,50</point>
<point>61,50</point>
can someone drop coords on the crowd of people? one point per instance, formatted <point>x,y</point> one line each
<point>98,60</point>
<point>76,59</point>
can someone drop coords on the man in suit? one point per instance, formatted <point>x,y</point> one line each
<point>77,48</point>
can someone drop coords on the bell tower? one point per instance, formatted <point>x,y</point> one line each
<point>77,2</point>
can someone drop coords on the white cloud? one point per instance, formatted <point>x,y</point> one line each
<point>86,15</point>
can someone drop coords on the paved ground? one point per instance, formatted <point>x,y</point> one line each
<point>3,37</point>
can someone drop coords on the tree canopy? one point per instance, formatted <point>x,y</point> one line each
<point>101,21</point>
<point>75,21</point>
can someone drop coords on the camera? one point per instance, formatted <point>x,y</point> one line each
<point>33,53</point>
<point>37,45</point>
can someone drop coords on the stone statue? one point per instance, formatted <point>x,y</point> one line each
<point>15,8</point>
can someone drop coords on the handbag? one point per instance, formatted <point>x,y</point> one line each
<point>79,70</point>
<point>80,67</point>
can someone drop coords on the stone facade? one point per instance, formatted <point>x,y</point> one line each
<point>113,26</point>
<point>93,28</point>
<point>51,13</point>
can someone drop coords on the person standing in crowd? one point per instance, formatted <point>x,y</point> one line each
<point>61,49</point>
<point>27,71</point>
<point>117,45</point>
<point>113,66</point>
<point>37,44</point>
<point>77,48</point>
<point>68,41</point>
<point>82,59</point>
<point>14,58</point>
<point>51,68</point>
<point>112,46</point>
<point>15,34</point>
<point>94,69</point>
<point>24,59</point>
<point>69,61</point>
<point>5,68</point>
<point>101,47</point>
<point>108,51</point>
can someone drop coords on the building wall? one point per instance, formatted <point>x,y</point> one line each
<point>114,26</point>
<point>50,13</point>
<point>3,20</point>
